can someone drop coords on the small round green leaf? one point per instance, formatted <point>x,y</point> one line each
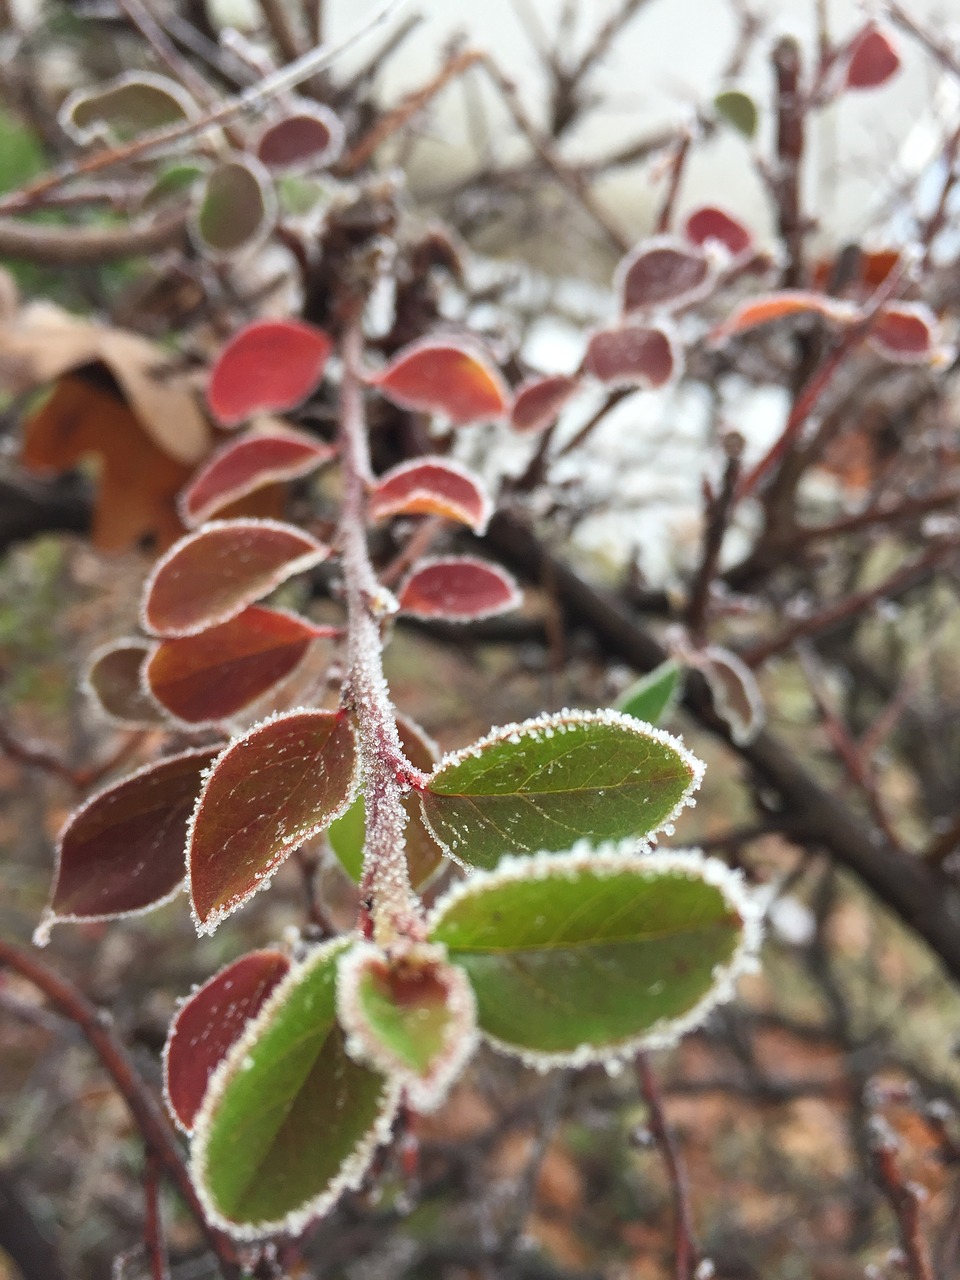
<point>289,1119</point>
<point>653,697</point>
<point>236,208</point>
<point>737,109</point>
<point>554,780</point>
<point>590,956</point>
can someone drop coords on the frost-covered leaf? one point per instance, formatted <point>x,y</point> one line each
<point>206,678</point>
<point>907,333</point>
<point>271,789</point>
<point>235,208</point>
<point>588,957</point>
<point>347,834</point>
<point>539,402</point>
<point>114,681</point>
<point>873,58</point>
<point>554,780</point>
<point>710,224</point>
<point>662,274</point>
<point>212,575</point>
<point>209,1022</point>
<point>432,486</point>
<point>307,139</point>
<point>122,851</point>
<point>121,109</point>
<point>787,304</point>
<point>458,589</point>
<point>289,1120</point>
<point>653,697</point>
<point>410,1015</point>
<point>243,466</point>
<point>268,366</point>
<point>739,110</point>
<point>448,377</point>
<point>736,695</point>
<point>633,355</point>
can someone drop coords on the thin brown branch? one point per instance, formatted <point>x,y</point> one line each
<point>52,246</point>
<point>686,1251</point>
<point>719,508</point>
<point>905,1199</point>
<point>152,1223</point>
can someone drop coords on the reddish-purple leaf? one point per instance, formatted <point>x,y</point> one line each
<point>206,678</point>
<point>432,486</point>
<point>243,466</point>
<point>458,589</point>
<point>711,224</point>
<point>309,138</point>
<point>122,851</point>
<point>448,377</point>
<point>278,785</point>
<point>786,304</point>
<point>663,273</point>
<point>905,332</point>
<point>873,58</point>
<point>210,576</point>
<point>270,366</point>
<point>634,355</point>
<point>114,681</point>
<point>207,1025</point>
<point>538,403</point>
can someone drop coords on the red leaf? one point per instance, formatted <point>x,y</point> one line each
<point>206,678</point>
<point>538,402</point>
<point>243,466</point>
<point>278,785</point>
<point>307,139</point>
<point>633,356</point>
<point>873,58</point>
<point>209,577</point>
<point>271,365</point>
<point>905,332</point>
<point>788,303</point>
<point>445,377</point>
<point>113,680</point>
<point>458,590</point>
<point>712,224</point>
<point>121,853</point>
<point>208,1024</point>
<point>432,486</point>
<point>663,273</point>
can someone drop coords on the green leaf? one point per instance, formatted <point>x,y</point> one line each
<point>549,782</point>
<point>588,957</point>
<point>653,697</point>
<point>235,208</point>
<point>410,1014</point>
<point>739,110</point>
<point>289,1119</point>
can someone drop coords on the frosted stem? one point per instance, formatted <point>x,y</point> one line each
<point>385,887</point>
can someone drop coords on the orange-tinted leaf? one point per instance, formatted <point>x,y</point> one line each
<point>447,377</point>
<point>458,589</point>
<point>271,365</point>
<point>307,139</point>
<point>138,482</point>
<point>905,332</point>
<point>787,304</point>
<point>244,466</point>
<point>122,851</point>
<point>712,224</point>
<point>873,58</point>
<point>633,356</point>
<point>538,402</point>
<point>235,208</point>
<point>114,681</point>
<point>278,785</point>
<point>663,273</point>
<point>206,678</point>
<point>208,1023</point>
<point>432,486</point>
<point>213,574</point>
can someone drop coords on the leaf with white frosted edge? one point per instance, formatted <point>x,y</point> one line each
<point>208,1022</point>
<point>267,366</point>
<point>113,681</point>
<point>271,789</point>
<point>653,697</point>
<point>307,138</point>
<point>592,955</point>
<point>712,225</point>
<point>634,355</point>
<point>736,695</point>
<point>289,1120</point>
<point>908,333</point>
<point>409,1014</point>
<point>554,780</point>
<point>432,486</point>
<point>540,401</point>
<point>212,575</point>
<point>234,209</point>
<point>125,107</point>
<point>121,852</point>
<point>447,376</point>
<point>663,273</point>
<point>458,589</point>
<point>784,304</point>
